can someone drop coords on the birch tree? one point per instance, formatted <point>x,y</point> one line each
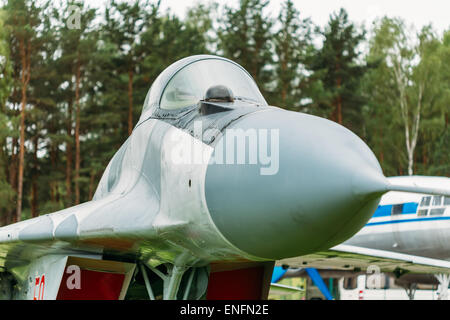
<point>406,57</point>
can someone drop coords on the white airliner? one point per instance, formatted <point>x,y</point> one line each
<point>405,223</point>
<point>416,224</point>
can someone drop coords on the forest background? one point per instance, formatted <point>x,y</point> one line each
<point>73,80</point>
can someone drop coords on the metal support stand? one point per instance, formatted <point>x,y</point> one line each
<point>189,284</point>
<point>147,283</point>
<point>171,281</point>
<point>444,280</point>
<point>411,291</point>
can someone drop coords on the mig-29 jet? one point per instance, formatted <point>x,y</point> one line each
<point>212,186</point>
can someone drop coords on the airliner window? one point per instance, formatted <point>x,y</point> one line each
<point>447,201</point>
<point>437,212</point>
<point>191,83</point>
<point>437,200</point>
<point>397,209</point>
<point>422,212</point>
<point>425,201</point>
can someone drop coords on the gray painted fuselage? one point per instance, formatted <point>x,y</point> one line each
<point>158,210</point>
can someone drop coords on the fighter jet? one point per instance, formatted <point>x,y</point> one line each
<point>212,186</point>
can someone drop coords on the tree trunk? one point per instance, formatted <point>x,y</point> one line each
<point>91,185</point>
<point>53,182</point>
<point>400,170</point>
<point>34,184</point>
<point>424,156</point>
<point>77,131</point>
<point>25,78</point>
<point>69,156</point>
<point>12,177</point>
<point>411,163</point>
<point>21,156</point>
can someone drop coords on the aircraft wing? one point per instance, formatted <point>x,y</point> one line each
<point>353,258</point>
<point>426,185</point>
<point>281,289</point>
<point>87,228</point>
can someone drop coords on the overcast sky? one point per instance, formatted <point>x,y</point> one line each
<point>417,12</point>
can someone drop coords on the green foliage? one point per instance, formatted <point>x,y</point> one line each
<point>115,56</point>
<point>408,91</point>
<point>5,64</point>
<point>292,43</point>
<point>338,69</point>
<point>245,37</point>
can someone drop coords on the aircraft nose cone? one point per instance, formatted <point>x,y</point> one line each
<point>313,184</point>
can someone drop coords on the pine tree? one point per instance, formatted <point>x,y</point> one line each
<point>292,44</point>
<point>201,17</point>
<point>44,117</point>
<point>337,67</point>
<point>123,28</point>
<point>78,53</point>
<point>7,193</point>
<point>246,38</point>
<point>22,20</point>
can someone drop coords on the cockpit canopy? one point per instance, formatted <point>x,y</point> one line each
<point>190,84</point>
<point>187,81</point>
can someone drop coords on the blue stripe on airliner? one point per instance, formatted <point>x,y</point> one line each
<point>386,210</point>
<point>410,207</point>
<point>383,211</point>
<point>407,220</point>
